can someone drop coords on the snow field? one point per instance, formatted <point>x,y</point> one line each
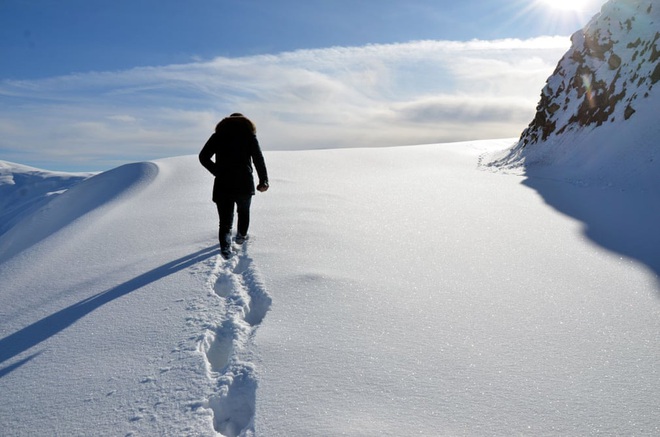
<point>415,294</point>
<point>383,292</point>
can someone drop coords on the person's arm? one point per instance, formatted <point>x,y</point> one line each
<point>206,154</point>
<point>260,165</point>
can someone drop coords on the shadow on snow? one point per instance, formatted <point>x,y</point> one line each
<point>624,222</point>
<point>32,335</point>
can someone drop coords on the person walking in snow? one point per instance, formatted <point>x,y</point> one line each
<point>235,147</point>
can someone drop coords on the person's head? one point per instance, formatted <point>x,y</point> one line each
<point>237,119</point>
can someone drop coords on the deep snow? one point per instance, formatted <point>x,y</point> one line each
<point>398,291</point>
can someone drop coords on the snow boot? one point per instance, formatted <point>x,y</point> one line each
<point>225,246</point>
<point>225,252</point>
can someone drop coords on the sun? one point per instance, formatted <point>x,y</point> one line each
<point>567,5</point>
<point>557,17</point>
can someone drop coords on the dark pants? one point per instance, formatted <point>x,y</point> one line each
<point>225,206</point>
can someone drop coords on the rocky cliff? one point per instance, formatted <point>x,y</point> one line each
<point>601,104</point>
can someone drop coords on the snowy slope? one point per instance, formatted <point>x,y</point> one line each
<point>25,189</point>
<point>399,291</point>
<point>597,119</point>
<point>92,313</point>
<point>415,295</point>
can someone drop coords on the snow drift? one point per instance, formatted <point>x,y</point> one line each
<point>25,189</point>
<point>38,204</point>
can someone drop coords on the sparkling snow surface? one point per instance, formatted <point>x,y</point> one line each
<point>383,292</point>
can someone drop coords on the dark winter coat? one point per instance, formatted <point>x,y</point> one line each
<point>235,147</point>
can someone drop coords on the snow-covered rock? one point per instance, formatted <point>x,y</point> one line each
<point>597,116</point>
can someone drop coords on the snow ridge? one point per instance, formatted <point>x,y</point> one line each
<point>228,347</point>
<point>33,220</point>
<point>24,190</point>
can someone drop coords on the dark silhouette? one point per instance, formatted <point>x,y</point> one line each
<point>235,147</point>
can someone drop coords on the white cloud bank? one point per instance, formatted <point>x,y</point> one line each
<point>376,95</point>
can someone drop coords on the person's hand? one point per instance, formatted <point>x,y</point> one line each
<point>262,187</point>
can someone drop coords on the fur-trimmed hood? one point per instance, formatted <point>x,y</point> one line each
<point>236,123</point>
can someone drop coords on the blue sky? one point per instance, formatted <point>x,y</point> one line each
<point>90,84</point>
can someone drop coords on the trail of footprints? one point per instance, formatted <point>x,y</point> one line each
<point>226,346</point>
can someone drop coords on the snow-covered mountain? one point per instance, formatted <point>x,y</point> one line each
<point>598,113</point>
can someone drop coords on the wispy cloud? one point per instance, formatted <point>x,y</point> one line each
<point>376,95</point>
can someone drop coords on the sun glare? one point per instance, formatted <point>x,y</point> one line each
<point>566,5</point>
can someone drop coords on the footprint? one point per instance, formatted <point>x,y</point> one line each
<point>246,302</point>
<point>234,408</point>
<point>224,285</point>
<point>260,301</point>
<point>242,265</point>
<point>218,347</point>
